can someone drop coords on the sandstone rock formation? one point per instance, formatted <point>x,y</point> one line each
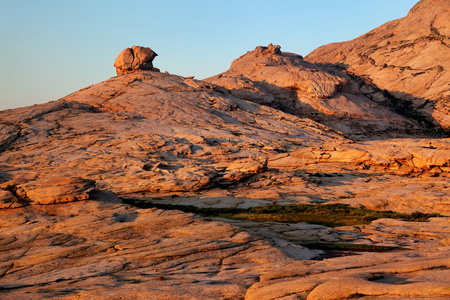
<point>285,81</point>
<point>134,59</point>
<point>241,139</point>
<point>407,57</point>
<point>156,140</point>
<point>134,137</point>
<point>100,248</point>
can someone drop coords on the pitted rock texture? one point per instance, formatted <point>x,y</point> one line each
<point>407,57</point>
<point>134,59</point>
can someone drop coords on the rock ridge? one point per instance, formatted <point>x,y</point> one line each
<point>285,81</point>
<point>407,57</point>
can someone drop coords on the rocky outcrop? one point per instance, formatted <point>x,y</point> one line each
<point>411,155</point>
<point>287,82</point>
<point>407,57</point>
<point>56,190</point>
<point>8,200</point>
<point>156,141</point>
<point>135,59</point>
<point>132,135</point>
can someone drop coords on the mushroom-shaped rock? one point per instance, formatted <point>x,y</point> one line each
<point>134,59</point>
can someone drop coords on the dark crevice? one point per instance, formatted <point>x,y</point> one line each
<point>20,196</point>
<point>6,144</point>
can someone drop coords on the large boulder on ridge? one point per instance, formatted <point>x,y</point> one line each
<point>134,59</point>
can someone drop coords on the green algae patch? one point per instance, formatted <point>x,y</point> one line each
<point>332,215</point>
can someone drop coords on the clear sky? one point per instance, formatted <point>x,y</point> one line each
<point>51,48</point>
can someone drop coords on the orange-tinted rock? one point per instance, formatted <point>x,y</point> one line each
<point>407,57</point>
<point>286,82</point>
<point>57,190</point>
<point>8,200</point>
<point>164,139</point>
<point>134,59</point>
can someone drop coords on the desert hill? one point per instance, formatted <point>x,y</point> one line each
<point>80,179</point>
<point>409,58</point>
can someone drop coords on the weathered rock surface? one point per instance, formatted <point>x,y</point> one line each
<point>421,271</point>
<point>101,248</point>
<point>175,140</point>
<point>146,132</point>
<point>134,59</point>
<point>287,82</point>
<point>407,57</point>
<point>8,200</point>
<point>56,190</point>
<point>243,138</point>
<point>133,135</point>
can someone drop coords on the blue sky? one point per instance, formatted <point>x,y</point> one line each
<point>51,48</point>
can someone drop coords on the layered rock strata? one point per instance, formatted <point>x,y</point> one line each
<point>407,57</point>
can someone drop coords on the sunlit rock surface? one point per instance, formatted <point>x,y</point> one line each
<point>240,139</point>
<point>135,59</point>
<point>286,82</point>
<point>408,57</point>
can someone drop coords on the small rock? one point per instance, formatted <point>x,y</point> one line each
<point>260,50</point>
<point>57,190</point>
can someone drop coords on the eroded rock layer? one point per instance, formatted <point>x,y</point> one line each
<point>408,57</point>
<point>173,140</point>
<point>285,81</point>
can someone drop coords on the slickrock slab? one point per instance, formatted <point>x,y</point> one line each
<point>149,132</point>
<point>419,272</point>
<point>98,249</point>
<point>403,175</point>
<point>102,248</point>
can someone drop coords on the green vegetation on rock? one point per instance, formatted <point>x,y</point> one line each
<point>332,215</point>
